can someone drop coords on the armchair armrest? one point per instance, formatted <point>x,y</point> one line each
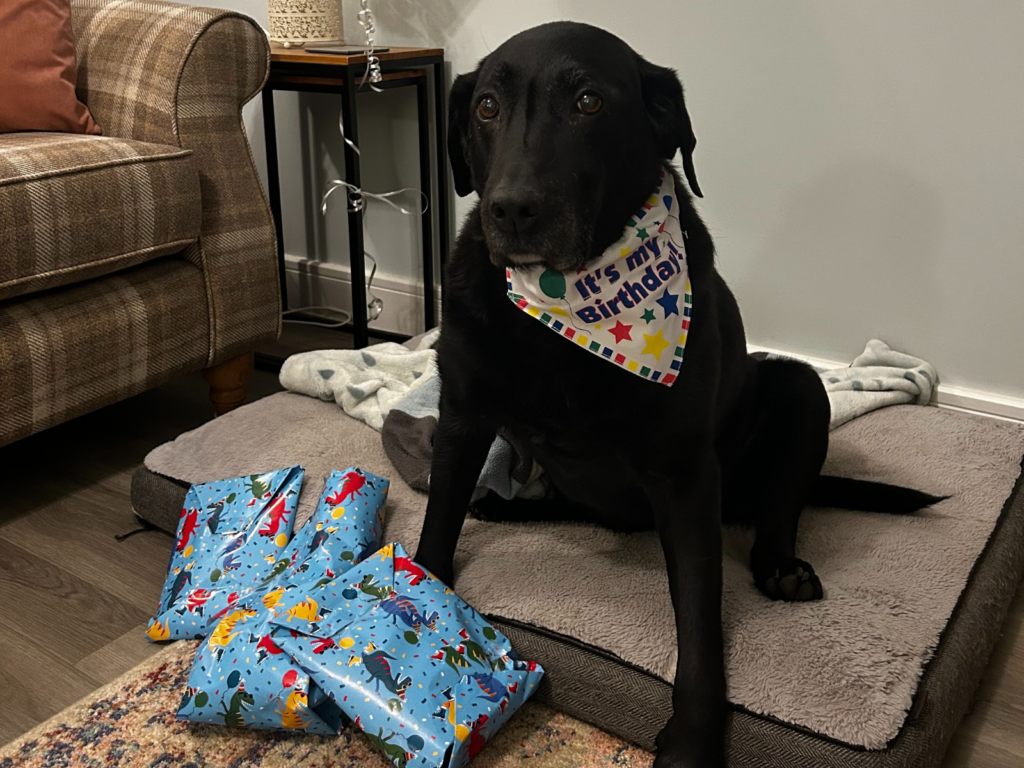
<point>143,65</point>
<point>179,74</point>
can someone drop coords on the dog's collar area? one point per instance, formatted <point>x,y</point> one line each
<point>631,305</point>
<point>522,260</point>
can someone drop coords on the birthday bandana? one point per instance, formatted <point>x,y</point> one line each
<point>631,305</point>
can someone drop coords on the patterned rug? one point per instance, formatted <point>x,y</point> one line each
<point>130,722</point>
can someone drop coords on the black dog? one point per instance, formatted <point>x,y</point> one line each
<point>563,132</point>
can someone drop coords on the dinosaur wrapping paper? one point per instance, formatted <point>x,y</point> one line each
<point>240,676</point>
<point>229,533</point>
<point>414,666</point>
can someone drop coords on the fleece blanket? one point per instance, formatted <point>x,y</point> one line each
<point>395,389</point>
<point>877,378</point>
<point>880,376</point>
<point>366,383</point>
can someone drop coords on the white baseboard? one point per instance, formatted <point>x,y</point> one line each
<point>944,396</point>
<point>319,283</point>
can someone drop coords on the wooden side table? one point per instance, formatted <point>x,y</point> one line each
<point>293,69</point>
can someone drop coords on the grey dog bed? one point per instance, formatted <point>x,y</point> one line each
<point>878,674</point>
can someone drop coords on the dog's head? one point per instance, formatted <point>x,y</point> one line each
<point>562,131</point>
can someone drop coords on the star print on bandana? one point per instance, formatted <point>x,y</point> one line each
<point>655,345</point>
<point>668,303</point>
<point>599,305</point>
<point>621,332</point>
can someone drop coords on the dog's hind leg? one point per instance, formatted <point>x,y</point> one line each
<point>772,481</point>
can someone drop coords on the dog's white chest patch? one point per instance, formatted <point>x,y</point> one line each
<point>631,305</point>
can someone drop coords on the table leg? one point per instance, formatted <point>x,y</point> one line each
<point>274,186</point>
<point>441,200</point>
<point>427,186</point>
<point>360,332</point>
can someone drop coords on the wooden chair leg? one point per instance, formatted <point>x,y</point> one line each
<point>227,382</point>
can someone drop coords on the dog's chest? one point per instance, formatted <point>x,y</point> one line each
<point>588,453</point>
<point>563,404</point>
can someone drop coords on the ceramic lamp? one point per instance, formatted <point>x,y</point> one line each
<point>297,22</point>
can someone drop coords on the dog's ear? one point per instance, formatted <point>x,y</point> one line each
<point>663,97</point>
<point>459,107</point>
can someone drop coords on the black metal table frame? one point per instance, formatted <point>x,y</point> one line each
<point>344,79</point>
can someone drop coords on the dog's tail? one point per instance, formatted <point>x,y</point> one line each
<point>867,496</point>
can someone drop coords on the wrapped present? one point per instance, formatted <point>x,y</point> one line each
<point>242,679</point>
<point>240,676</point>
<point>414,666</point>
<point>347,526</point>
<point>230,535</point>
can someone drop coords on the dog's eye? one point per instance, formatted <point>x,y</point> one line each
<point>487,108</point>
<point>589,103</point>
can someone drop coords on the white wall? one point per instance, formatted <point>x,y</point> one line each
<point>862,162</point>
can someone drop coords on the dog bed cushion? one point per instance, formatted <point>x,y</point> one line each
<point>877,674</point>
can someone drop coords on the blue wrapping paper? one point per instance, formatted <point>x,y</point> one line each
<point>413,665</point>
<point>347,526</point>
<point>240,676</point>
<point>229,533</point>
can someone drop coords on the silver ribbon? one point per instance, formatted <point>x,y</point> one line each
<point>373,74</point>
<point>357,197</point>
<point>341,128</point>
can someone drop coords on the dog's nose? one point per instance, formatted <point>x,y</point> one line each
<point>515,210</point>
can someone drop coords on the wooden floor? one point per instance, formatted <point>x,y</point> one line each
<point>74,602</point>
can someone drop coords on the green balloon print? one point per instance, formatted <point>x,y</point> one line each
<point>394,705</point>
<point>552,282</point>
<point>411,637</point>
<point>215,575</point>
<point>201,699</point>
<point>489,633</point>
<point>348,556</point>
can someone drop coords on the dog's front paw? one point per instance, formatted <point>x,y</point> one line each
<point>683,747</point>
<point>439,569</point>
<point>790,579</point>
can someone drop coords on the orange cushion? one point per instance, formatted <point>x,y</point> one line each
<point>38,71</point>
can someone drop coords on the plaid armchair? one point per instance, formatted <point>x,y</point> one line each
<point>133,257</point>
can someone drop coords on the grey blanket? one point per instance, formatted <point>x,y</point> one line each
<point>408,434</point>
